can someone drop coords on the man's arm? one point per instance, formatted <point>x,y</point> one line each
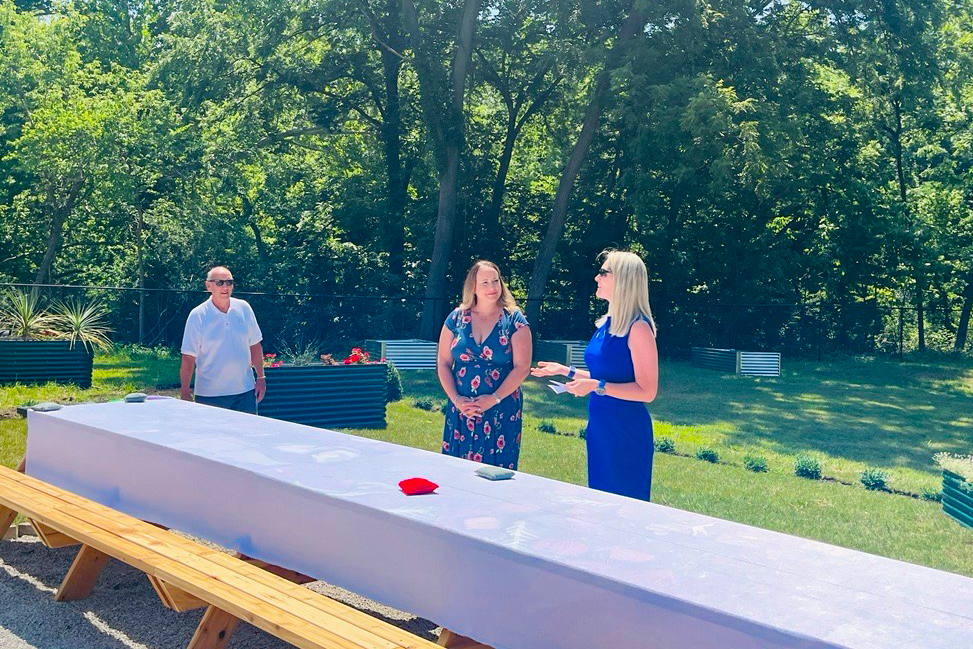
<point>186,375</point>
<point>257,360</point>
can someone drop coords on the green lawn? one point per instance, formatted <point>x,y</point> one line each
<point>850,414</point>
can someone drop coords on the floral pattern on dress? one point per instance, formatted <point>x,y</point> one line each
<point>493,438</point>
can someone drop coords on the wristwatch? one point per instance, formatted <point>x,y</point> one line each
<point>600,390</point>
<point>497,398</point>
<point>571,371</point>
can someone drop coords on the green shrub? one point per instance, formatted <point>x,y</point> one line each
<point>806,466</point>
<point>708,454</point>
<point>755,463</point>
<point>393,383</point>
<point>665,445</point>
<point>874,479</point>
<point>444,408</point>
<point>424,404</point>
<point>935,495</point>
<point>547,426</point>
<point>583,432</point>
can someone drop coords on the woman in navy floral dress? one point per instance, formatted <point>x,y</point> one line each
<point>484,356</point>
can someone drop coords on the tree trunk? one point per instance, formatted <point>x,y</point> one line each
<point>55,240</point>
<point>445,122</point>
<point>491,219</point>
<point>140,259</point>
<point>555,227</point>
<point>964,317</point>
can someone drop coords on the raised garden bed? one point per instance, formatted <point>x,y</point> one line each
<point>737,361</point>
<point>43,361</point>
<point>566,352</point>
<point>327,396</point>
<point>958,498</point>
<point>407,354</point>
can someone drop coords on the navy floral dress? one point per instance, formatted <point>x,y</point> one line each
<point>479,369</point>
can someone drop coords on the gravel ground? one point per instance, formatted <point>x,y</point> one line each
<point>123,612</point>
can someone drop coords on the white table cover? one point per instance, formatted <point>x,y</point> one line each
<point>528,563</point>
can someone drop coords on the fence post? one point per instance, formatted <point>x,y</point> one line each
<point>817,332</point>
<point>901,329</point>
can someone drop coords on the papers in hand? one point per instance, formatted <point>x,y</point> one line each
<point>557,386</point>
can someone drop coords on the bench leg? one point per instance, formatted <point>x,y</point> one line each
<point>82,575</point>
<point>7,517</point>
<point>22,467</point>
<point>452,640</point>
<point>214,629</point>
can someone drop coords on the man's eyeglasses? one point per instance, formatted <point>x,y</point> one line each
<point>604,271</point>
<point>221,282</point>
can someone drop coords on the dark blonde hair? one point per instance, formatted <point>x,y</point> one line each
<point>506,300</point>
<point>630,295</point>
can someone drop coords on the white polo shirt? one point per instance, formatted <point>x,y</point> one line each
<point>221,344</point>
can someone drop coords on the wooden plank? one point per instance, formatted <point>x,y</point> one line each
<point>452,640</point>
<point>286,573</point>
<point>214,630</point>
<point>7,517</point>
<point>267,601</point>
<point>51,537</point>
<point>82,574</point>
<point>175,598</point>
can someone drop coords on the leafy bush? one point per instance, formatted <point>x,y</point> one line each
<point>708,454</point>
<point>806,466</point>
<point>547,426</point>
<point>665,445</point>
<point>935,495</point>
<point>755,463</point>
<point>874,479</point>
<point>424,404</point>
<point>393,383</point>
<point>444,408</point>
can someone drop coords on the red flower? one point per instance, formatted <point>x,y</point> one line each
<point>462,371</point>
<point>477,457</point>
<point>487,353</point>
<point>455,434</point>
<point>486,428</point>
<point>503,339</point>
<point>454,343</point>
<point>469,456</point>
<point>347,361</point>
<point>270,355</point>
<point>475,383</point>
<point>465,357</point>
<point>495,374</point>
<point>500,442</point>
<point>446,446</point>
<point>469,424</point>
<point>467,318</point>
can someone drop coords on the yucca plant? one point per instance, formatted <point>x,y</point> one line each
<point>76,321</point>
<point>21,312</point>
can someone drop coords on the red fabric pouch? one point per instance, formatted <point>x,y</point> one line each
<point>417,486</point>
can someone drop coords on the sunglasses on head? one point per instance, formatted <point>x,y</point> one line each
<point>604,271</point>
<point>221,282</point>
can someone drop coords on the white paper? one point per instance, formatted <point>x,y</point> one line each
<point>558,387</point>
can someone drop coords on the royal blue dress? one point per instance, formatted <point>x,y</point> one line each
<point>619,436</point>
<point>480,368</point>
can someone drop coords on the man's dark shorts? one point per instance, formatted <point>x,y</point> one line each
<point>244,402</point>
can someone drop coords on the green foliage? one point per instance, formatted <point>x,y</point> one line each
<point>20,311</point>
<point>707,454</point>
<point>424,404</point>
<point>82,322</point>
<point>583,432</point>
<point>665,444</point>
<point>547,426</point>
<point>934,495</point>
<point>806,466</point>
<point>393,383</point>
<point>301,353</point>
<point>961,465</point>
<point>874,479</point>
<point>755,463</point>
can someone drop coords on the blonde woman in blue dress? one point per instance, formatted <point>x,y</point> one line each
<point>622,376</point>
<point>484,355</point>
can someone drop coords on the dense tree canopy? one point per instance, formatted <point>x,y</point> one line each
<point>810,153</point>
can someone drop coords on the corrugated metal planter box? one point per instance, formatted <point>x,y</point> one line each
<point>408,354</point>
<point>327,396</point>
<point>736,361</point>
<point>957,502</point>
<point>40,361</point>
<point>566,352</point>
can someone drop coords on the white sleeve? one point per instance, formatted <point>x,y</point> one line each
<point>253,329</point>
<point>191,336</point>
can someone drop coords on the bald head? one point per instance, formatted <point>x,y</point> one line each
<point>219,272</point>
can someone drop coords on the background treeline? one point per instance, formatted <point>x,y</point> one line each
<point>817,154</point>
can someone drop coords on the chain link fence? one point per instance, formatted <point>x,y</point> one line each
<point>156,317</point>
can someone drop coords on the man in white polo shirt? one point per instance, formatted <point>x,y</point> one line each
<point>222,342</point>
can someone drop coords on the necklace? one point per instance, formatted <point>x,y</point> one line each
<point>485,316</point>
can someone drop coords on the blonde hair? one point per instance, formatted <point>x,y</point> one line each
<point>506,300</point>
<point>630,294</point>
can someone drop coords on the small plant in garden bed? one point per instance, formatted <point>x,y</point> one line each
<point>961,465</point>
<point>806,466</point>
<point>935,495</point>
<point>424,404</point>
<point>755,463</point>
<point>547,426</point>
<point>665,445</point>
<point>708,454</point>
<point>874,479</point>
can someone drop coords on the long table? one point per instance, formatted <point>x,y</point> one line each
<point>528,563</point>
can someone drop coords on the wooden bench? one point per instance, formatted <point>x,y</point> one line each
<point>187,575</point>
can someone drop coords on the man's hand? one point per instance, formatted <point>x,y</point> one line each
<point>260,389</point>
<point>185,395</point>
